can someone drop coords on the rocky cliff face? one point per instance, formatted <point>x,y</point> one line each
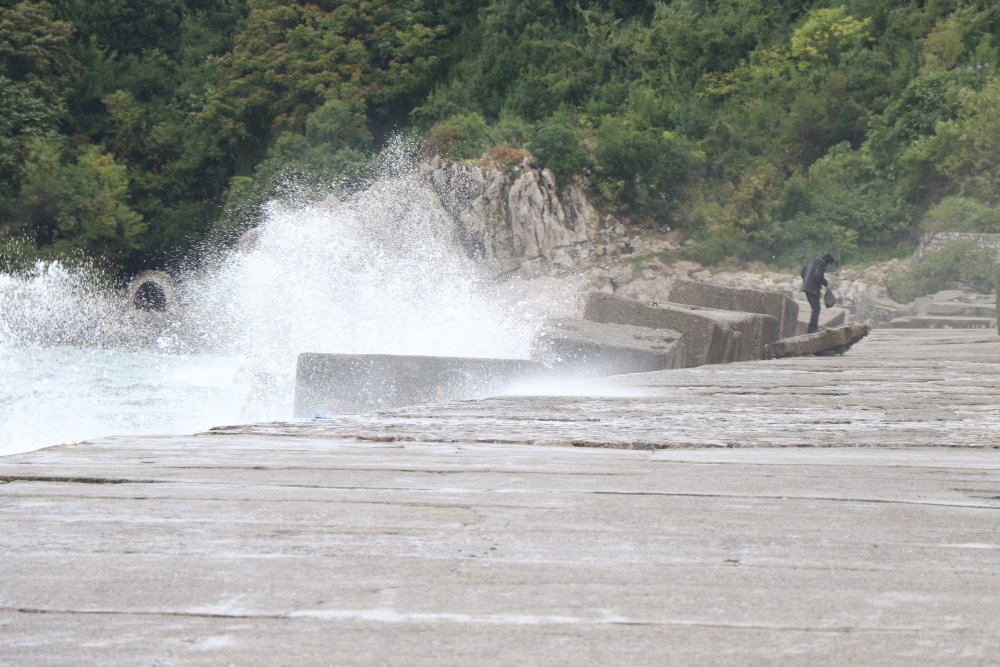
<point>519,223</point>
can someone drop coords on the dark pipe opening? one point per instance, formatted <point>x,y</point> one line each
<point>150,296</point>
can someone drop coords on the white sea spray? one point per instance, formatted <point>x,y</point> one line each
<point>376,271</point>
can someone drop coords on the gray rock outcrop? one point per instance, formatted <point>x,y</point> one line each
<point>519,222</point>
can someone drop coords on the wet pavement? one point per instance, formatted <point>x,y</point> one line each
<point>820,510</point>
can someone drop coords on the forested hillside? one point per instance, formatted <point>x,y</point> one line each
<point>762,129</point>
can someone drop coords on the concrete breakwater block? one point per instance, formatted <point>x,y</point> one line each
<point>775,304</point>
<point>350,383</point>
<point>881,309</point>
<point>582,347</point>
<point>711,336</point>
<point>829,318</point>
<point>828,341</point>
<point>926,306</point>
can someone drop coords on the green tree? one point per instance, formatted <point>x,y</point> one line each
<point>963,154</point>
<point>826,34</point>
<point>78,205</point>
<point>915,112</point>
<point>34,49</point>
<point>560,150</point>
<point>459,137</point>
<point>290,59</point>
<point>650,167</point>
<point>36,68</point>
<point>961,214</point>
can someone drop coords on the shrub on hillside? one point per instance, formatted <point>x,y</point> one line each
<point>460,137</point>
<point>963,264</point>
<point>961,214</point>
<point>718,244</point>
<point>505,157</point>
<point>559,150</point>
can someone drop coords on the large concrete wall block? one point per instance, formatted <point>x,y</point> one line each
<point>711,336</point>
<point>350,383</point>
<point>582,347</point>
<point>776,304</point>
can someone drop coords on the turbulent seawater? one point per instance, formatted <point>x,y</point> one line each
<point>377,272</point>
<point>59,394</point>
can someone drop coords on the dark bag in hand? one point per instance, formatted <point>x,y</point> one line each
<point>829,299</point>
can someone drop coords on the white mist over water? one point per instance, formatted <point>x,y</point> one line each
<point>377,272</point>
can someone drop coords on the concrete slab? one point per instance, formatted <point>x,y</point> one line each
<point>880,310</point>
<point>829,318</point>
<point>582,347</point>
<point>941,322</point>
<point>498,554</point>
<point>929,306</point>
<point>711,336</point>
<point>835,510</point>
<point>346,383</point>
<point>896,388</point>
<point>776,304</point>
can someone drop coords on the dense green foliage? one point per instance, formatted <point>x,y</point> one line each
<point>763,130</point>
<point>963,264</point>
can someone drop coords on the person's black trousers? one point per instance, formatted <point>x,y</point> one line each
<point>814,317</point>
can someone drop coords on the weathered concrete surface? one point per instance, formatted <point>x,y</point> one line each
<point>433,536</point>
<point>829,318</point>
<point>346,383</point>
<point>711,336</point>
<point>881,309</point>
<point>896,388</point>
<point>582,347</point>
<point>941,322</point>
<point>776,304</point>
<point>829,341</point>
<point>929,306</point>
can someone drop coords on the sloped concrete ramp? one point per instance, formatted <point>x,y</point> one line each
<point>414,538</point>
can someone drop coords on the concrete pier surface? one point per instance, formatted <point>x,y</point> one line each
<point>803,511</point>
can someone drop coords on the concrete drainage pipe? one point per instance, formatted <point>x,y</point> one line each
<point>153,291</point>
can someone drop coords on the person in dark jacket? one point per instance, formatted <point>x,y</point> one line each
<point>813,280</point>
